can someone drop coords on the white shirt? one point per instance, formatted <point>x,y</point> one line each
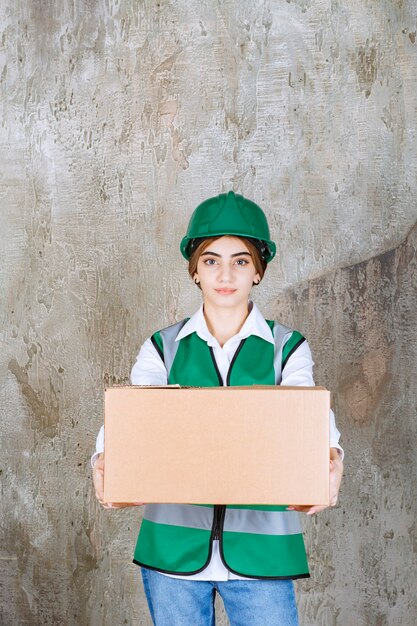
<point>149,369</point>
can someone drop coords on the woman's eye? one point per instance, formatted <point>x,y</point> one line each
<point>210,261</point>
<point>242,262</point>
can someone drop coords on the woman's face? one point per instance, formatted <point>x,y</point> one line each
<point>226,272</point>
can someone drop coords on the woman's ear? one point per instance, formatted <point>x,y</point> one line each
<point>196,278</point>
<point>257,279</point>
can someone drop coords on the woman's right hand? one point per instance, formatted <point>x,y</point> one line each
<point>98,480</point>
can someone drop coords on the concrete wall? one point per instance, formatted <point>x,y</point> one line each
<point>117,118</point>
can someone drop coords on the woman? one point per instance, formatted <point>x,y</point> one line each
<point>248,554</point>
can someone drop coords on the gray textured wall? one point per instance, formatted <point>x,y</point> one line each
<point>117,118</point>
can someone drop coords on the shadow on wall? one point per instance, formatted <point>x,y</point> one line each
<point>361,323</point>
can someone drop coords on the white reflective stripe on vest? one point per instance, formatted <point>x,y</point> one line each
<point>262,522</point>
<point>188,515</point>
<point>236,520</point>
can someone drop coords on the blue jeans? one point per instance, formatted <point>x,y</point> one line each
<point>182,602</point>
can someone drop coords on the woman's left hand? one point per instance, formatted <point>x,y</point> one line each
<point>336,473</point>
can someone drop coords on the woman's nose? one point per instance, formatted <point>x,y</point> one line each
<point>225,274</point>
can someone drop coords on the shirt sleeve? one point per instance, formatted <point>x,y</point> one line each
<point>149,369</point>
<point>299,371</point>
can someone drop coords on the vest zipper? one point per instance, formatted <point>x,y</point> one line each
<point>219,376</point>
<point>219,511</point>
<point>238,349</point>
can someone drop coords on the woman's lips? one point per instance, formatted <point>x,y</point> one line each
<point>225,292</point>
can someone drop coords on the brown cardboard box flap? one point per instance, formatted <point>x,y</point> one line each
<point>217,445</point>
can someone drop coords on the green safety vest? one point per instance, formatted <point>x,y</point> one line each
<point>257,541</point>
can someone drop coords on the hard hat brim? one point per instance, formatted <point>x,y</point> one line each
<point>186,240</point>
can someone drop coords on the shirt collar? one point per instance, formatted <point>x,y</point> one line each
<point>255,324</point>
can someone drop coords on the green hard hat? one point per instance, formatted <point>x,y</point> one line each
<point>229,214</point>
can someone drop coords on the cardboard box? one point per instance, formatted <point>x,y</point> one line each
<point>217,445</point>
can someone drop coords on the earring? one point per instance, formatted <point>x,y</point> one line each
<point>196,281</point>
